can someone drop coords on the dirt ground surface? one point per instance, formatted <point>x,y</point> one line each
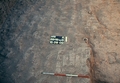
<point>5,9</point>
<point>25,50</point>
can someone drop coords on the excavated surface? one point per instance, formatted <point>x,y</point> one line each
<point>24,42</point>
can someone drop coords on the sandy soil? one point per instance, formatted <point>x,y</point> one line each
<point>26,50</point>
